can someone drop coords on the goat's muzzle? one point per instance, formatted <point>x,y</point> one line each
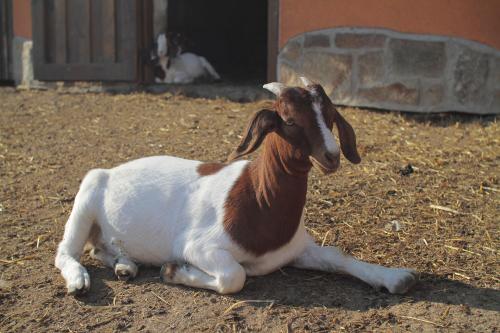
<point>327,164</point>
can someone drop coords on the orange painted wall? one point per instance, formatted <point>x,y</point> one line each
<point>477,20</point>
<point>22,18</point>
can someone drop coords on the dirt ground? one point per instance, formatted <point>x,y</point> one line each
<point>439,216</point>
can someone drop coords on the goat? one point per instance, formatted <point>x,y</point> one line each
<point>172,65</point>
<point>209,225</point>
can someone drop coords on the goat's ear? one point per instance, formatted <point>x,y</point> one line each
<point>347,139</point>
<point>262,123</point>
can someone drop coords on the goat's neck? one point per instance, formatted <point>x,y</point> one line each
<point>278,170</point>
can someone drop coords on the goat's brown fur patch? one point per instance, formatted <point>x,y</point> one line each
<point>207,169</point>
<point>264,207</point>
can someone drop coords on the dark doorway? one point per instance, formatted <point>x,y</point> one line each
<point>231,34</point>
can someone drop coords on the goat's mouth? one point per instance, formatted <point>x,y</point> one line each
<point>321,167</point>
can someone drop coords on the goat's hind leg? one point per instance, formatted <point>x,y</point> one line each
<point>331,259</point>
<point>208,67</point>
<point>215,270</point>
<point>124,268</point>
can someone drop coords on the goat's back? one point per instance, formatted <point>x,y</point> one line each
<point>153,207</point>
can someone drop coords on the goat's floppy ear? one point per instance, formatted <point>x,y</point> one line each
<point>347,139</point>
<point>263,122</point>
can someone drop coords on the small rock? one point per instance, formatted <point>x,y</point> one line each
<point>407,170</point>
<point>394,225</point>
<point>5,285</point>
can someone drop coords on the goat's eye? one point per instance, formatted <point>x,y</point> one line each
<point>290,122</point>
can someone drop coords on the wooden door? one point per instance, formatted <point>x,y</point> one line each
<point>89,40</point>
<point>5,40</point>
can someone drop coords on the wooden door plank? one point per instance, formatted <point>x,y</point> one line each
<point>96,28</point>
<point>272,39</point>
<point>144,43</point>
<point>50,31</point>
<point>3,46</point>
<point>85,72</point>
<point>38,24</point>
<point>109,31</point>
<point>79,48</point>
<point>127,34</point>
<point>60,31</point>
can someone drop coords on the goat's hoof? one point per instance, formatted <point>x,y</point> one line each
<point>125,272</point>
<point>400,280</point>
<point>167,272</point>
<point>78,284</point>
<point>123,275</point>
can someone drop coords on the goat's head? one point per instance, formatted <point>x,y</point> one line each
<point>303,117</point>
<point>161,45</point>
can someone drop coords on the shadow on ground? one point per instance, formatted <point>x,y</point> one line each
<point>299,288</point>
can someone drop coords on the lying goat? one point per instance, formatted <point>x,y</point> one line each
<point>211,224</point>
<point>171,65</point>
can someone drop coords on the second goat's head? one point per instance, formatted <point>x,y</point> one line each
<point>304,118</point>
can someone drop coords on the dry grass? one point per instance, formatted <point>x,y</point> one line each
<point>426,195</point>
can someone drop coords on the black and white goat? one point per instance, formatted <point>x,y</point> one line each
<point>212,224</point>
<point>173,65</point>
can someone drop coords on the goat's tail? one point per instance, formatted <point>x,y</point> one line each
<point>82,217</point>
<point>209,68</point>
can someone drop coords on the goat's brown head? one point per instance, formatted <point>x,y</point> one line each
<point>303,117</point>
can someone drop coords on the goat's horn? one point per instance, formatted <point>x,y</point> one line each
<point>274,87</point>
<point>305,81</point>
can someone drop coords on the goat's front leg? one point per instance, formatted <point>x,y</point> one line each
<point>331,259</point>
<point>216,270</point>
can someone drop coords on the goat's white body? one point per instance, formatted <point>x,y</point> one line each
<point>160,209</point>
<point>185,68</point>
<point>154,208</point>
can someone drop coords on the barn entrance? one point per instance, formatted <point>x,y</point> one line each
<point>232,35</point>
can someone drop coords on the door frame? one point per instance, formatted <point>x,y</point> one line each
<point>6,35</point>
<point>272,39</point>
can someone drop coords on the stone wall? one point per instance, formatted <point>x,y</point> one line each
<point>389,70</point>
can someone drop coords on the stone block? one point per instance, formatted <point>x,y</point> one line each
<point>495,105</point>
<point>317,40</point>
<point>496,72</point>
<point>470,77</point>
<point>394,93</point>
<point>289,75</point>
<point>417,58</point>
<point>291,51</point>
<point>359,40</point>
<point>371,68</point>
<point>432,94</point>
<point>332,70</point>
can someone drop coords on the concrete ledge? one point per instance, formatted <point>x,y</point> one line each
<point>389,70</point>
<point>236,92</point>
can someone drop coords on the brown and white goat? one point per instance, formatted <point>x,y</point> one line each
<point>211,224</point>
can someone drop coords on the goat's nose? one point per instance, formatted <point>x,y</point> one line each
<point>330,157</point>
